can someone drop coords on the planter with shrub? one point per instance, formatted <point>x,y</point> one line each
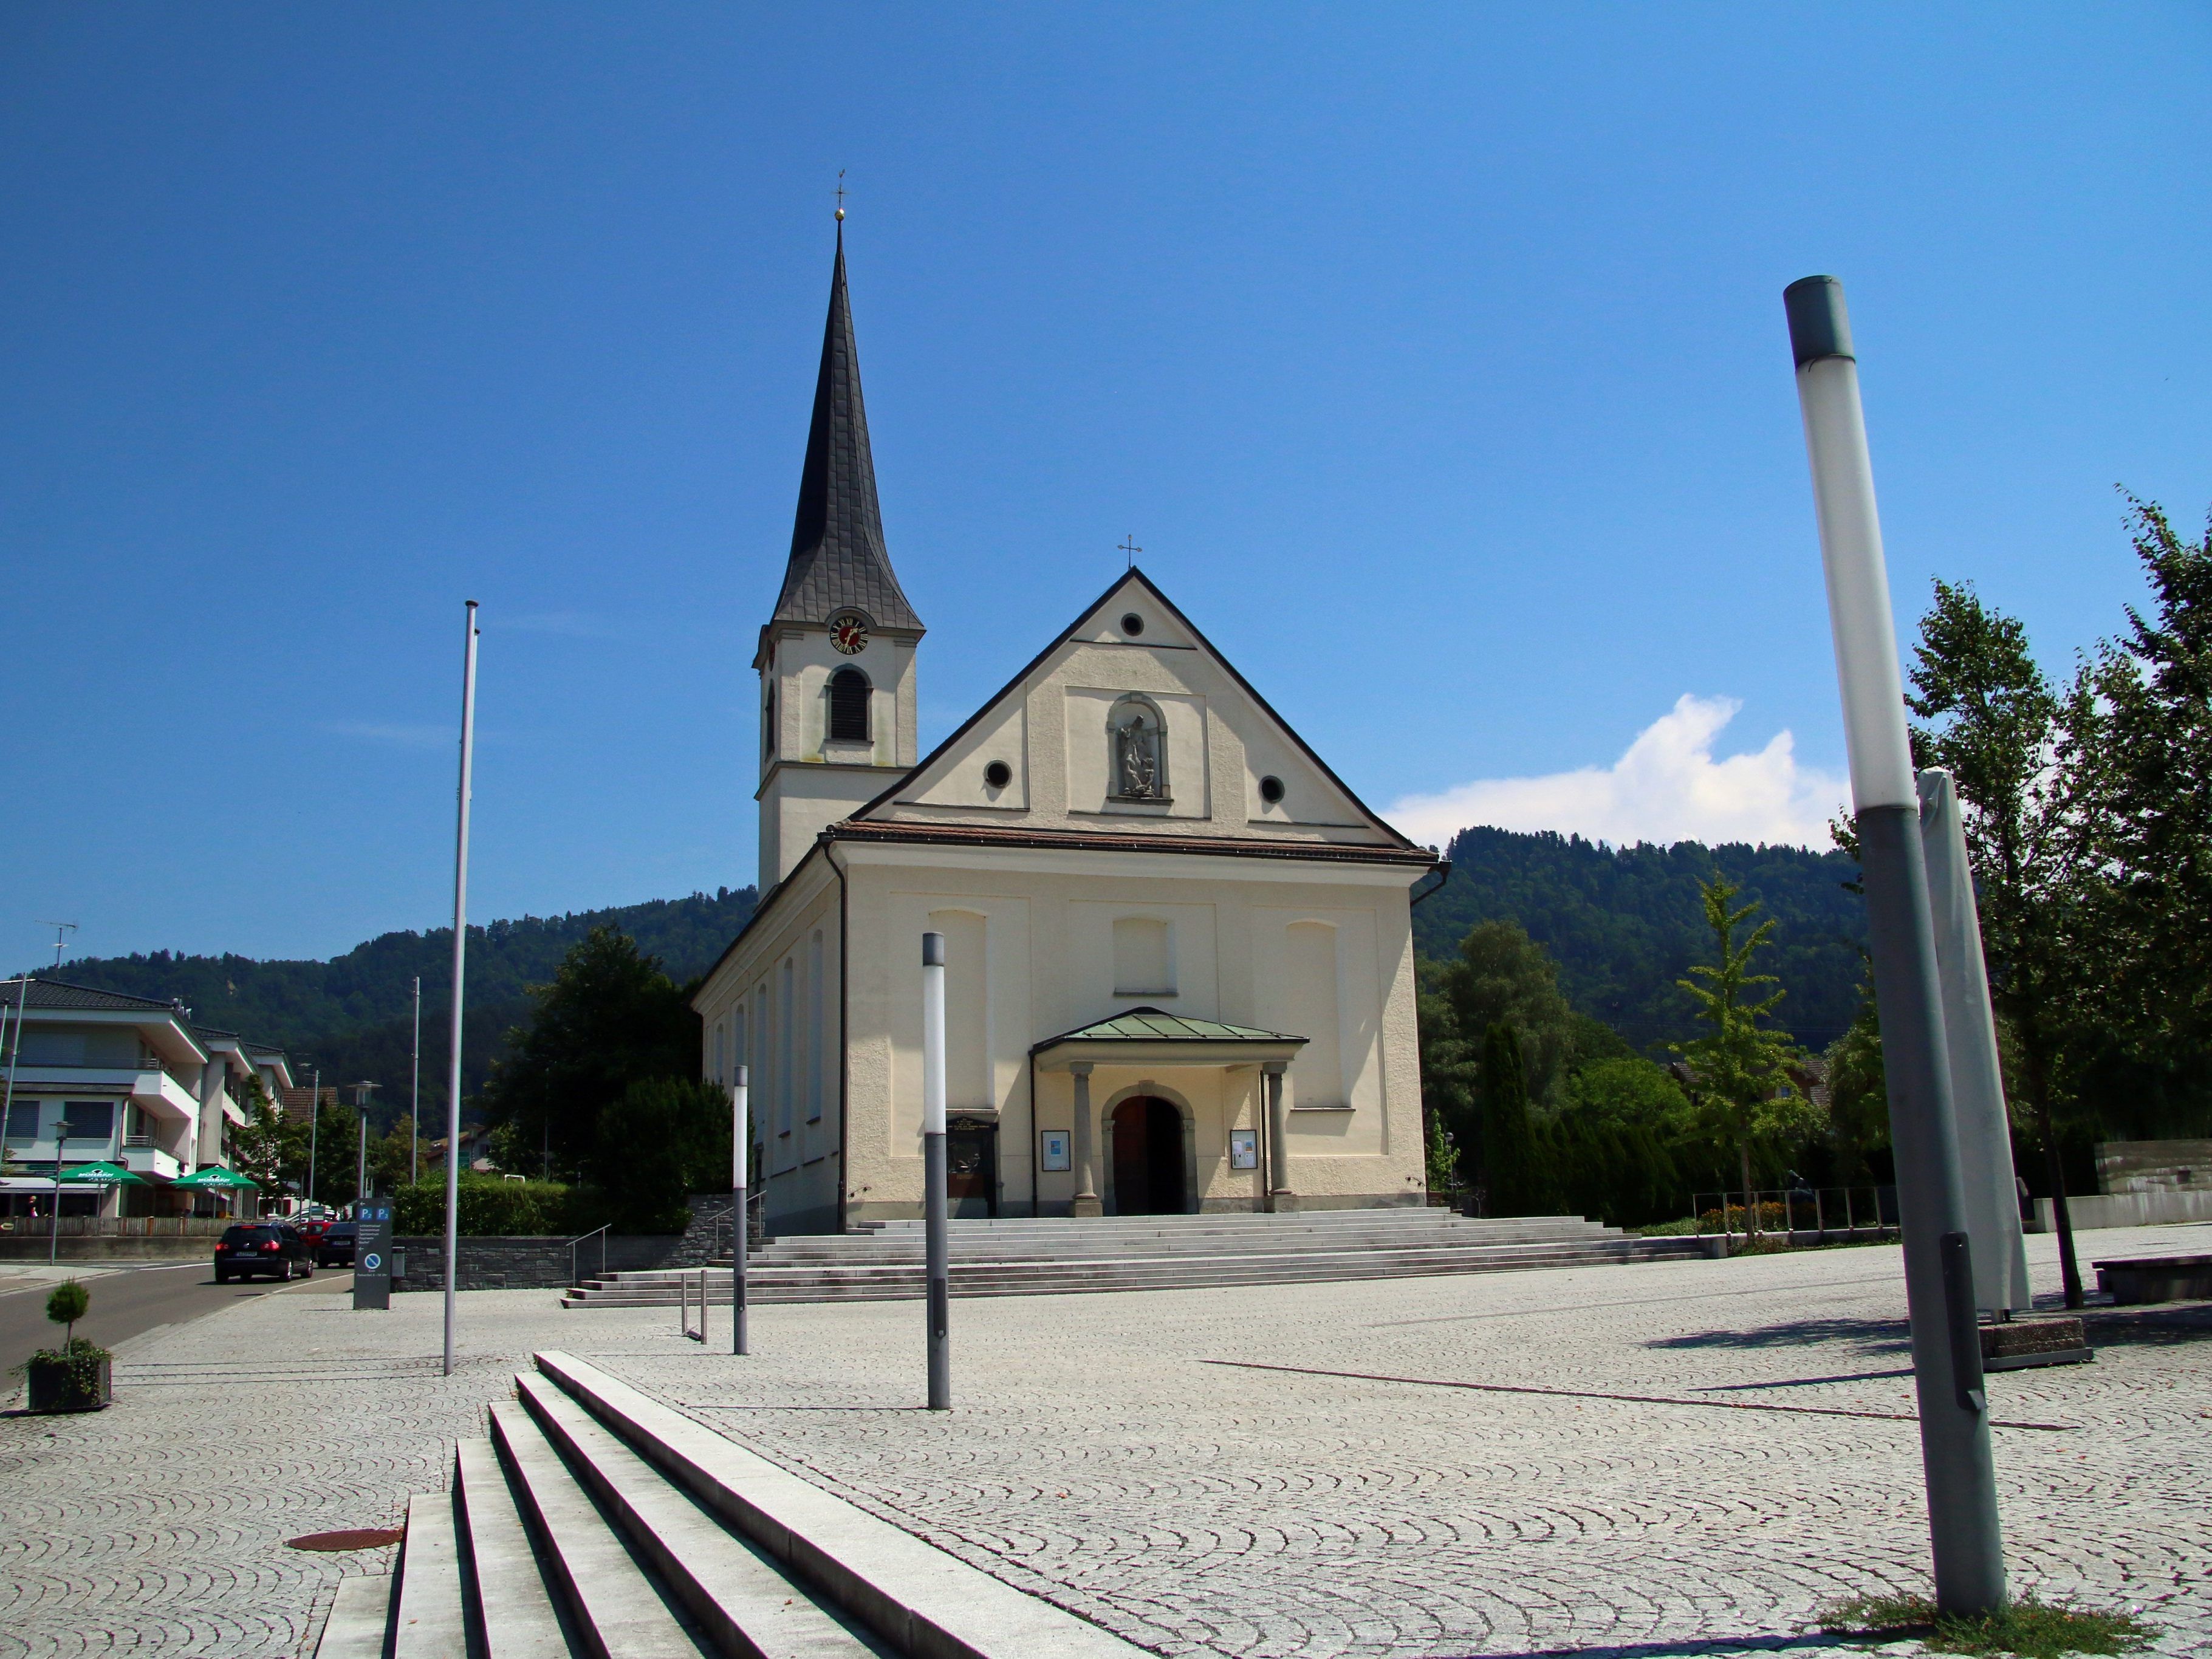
<point>77,1377</point>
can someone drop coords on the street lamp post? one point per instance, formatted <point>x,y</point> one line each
<point>62,1128</point>
<point>936,1247</point>
<point>1947,1356</point>
<point>740,1103</point>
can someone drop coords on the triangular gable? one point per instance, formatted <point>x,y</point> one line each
<point>1066,691</point>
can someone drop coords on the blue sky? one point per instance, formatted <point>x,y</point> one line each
<point>1434,355</point>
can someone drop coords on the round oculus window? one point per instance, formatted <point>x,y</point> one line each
<point>1271,790</point>
<point>1133,624</point>
<point>997,775</point>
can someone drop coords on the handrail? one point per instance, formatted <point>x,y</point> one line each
<point>599,1233</point>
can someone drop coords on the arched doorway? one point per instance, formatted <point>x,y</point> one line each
<point>1147,1158</point>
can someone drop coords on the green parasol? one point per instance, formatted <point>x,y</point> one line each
<point>100,1175</point>
<point>215,1178</point>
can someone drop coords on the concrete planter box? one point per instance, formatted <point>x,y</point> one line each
<point>53,1385</point>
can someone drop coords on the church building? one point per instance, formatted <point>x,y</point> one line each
<point>1179,950</point>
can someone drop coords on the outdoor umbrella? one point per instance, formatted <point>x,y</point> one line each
<point>215,1179</point>
<point>100,1175</point>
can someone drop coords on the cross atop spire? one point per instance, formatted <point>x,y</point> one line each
<point>838,559</point>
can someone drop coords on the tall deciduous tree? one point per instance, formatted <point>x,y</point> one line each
<point>2026,757</point>
<point>1741,1090</point>
<point>609,1017</point>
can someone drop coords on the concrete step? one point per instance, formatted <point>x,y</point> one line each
<point>741,1600</point>
<point>521,1617</point>
<point>618,1605</point>
<point>360,1613</point>
<point>911,1597</point>
<point>596,1523</point>
<point>877,1281</point>
<point>429,1622</point>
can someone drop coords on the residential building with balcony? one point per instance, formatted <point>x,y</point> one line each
<point>99,1077</point>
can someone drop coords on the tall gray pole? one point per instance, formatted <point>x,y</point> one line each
<point>22,1001</point>
<point>361,1169</point>
<point>936,1247</point>
<point>1939,1286</point>
<point>314,1128</point>
<point>740,1131</point>
<point>415,1096</point>
<point>460,961</point>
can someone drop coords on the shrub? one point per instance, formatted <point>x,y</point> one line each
<point>493,1208</point>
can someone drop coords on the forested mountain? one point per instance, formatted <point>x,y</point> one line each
<point>354,1015</point>
<point>1624,923</point>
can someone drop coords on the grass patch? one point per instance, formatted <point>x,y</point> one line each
<point>2031,1628</point>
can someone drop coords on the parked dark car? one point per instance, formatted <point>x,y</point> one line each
<point>262,1248</point>
<point>337,1246</point>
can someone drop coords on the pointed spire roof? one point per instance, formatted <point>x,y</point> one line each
<point>838,560</point>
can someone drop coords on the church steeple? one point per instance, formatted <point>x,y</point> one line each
<point>836,657</point>
<point>838,559</point>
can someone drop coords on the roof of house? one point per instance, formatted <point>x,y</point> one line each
<point>61,995</point>
<point>838,559</point>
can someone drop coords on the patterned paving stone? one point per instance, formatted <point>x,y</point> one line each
<point>1616,1484</point>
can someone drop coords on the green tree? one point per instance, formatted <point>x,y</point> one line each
<point>268,1143</point>
<point>2156,682</point>
<point>391,1163</point>
<point>1510,1173</point>
<point>2026,759</point>
<point>331,1161</point>
<point>664,1138</point>
<point>1858,1094</point>
<point>68,1303</point>
<point>1504,976</point>
<point>608,1018</point>
<point>1741,1092</point>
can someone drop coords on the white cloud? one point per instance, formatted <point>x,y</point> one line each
<point>1666,787</point>
<point>397,734</point>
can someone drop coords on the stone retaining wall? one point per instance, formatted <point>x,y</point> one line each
<point>522,1264</point>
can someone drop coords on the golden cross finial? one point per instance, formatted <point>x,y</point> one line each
<point>1129,547</point>
<point>840,195</point>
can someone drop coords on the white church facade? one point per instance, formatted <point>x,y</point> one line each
<point>1180,959</point>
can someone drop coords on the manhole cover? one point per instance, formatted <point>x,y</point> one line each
<point>357,1538</point>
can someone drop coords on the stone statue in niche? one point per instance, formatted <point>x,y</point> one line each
<point>1137,758</point>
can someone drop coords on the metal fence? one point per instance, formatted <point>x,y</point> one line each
<point>1800,1215</point>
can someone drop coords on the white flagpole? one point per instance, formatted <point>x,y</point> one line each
<point>460,959</point>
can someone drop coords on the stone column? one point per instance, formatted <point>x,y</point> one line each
<point>1086,1183</point>
<point>1280,1196</point>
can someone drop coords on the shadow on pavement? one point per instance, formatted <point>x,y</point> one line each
<point>1867,1335</point>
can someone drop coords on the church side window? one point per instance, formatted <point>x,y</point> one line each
<point>848,706</point>
<point>814,1031</point>
<point>785,1051</point>
<point>1137,751</point>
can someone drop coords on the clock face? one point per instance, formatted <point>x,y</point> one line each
<point>849,634</point>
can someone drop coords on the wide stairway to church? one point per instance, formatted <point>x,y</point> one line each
<point>883,1259</point>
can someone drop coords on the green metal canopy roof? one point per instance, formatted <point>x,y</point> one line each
<point>1152,1035</point>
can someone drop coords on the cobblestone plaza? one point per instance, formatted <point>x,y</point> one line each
<point>1664,1458</point>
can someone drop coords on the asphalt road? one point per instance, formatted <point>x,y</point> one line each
<point>133,1301</point>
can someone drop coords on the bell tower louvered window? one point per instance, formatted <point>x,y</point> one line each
<point>848,706</point>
